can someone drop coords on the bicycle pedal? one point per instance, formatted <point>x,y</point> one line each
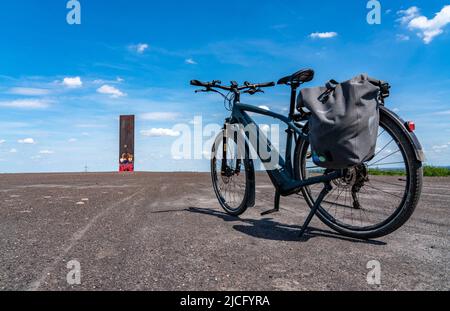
<point>272,211</point>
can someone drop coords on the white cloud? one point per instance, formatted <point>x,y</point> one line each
<point>402,37</point>
<point>323,35</point>
<point>26,91</point>
<point>426,28</point>
<point>13,151</point>
<point>46,152</point>
<point>443,113</point>
<point>160,132</point>
<point>112,81</point>
<point>29,141</point>
<point>72,140</point>
<point>160,116</point>
<point>190,61</point>
<point>26,104</point>
<point>2,141</point>
<point>139,48</point>
<point>440,148</point>
<point>264,107</point>
<point>407,15</point>
<point>111,91</point>
<point>74,82</point>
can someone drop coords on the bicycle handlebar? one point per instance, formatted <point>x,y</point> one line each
<point>234,86</point>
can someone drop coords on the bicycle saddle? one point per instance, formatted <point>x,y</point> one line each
<point>302,76</point>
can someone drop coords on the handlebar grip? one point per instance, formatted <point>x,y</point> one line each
<point>197,83</point>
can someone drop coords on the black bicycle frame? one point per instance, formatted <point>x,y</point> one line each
<point>282,176</point>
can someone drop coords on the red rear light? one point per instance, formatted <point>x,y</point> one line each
<point>410,126</point>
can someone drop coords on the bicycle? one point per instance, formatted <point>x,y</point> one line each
<point>338,197</point>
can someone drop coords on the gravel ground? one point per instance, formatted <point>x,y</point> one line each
<point>150,231</point>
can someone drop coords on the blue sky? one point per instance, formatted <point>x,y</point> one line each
<point>62,87</point>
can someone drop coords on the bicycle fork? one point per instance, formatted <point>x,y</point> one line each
<point>224,151</point>
<point>226,169</point>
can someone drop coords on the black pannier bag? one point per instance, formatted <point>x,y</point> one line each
<point>343,127</point>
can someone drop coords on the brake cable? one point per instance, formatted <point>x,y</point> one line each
<point>228,99</point>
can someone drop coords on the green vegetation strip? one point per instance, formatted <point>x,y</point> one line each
<point>428,171</point>
<point>432,171</point>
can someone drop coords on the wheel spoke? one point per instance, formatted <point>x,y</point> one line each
<point>390,155</point>
<point>381,150</point>
<point>384,191</point>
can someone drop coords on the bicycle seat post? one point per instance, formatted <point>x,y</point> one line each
<point>294,87</point>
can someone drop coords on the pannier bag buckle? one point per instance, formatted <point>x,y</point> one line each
<point>385,90</point>
<point>331,87</point>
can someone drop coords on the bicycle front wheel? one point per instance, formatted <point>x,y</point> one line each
<point>375,198</point>
<point>232,175</point>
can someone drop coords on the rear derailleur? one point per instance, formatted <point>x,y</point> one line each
<point>355,178</point>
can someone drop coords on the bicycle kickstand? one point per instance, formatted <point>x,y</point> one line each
<point>277,205</point>
<point>316,206</point>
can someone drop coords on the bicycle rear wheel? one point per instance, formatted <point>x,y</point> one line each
<point>375,198</point>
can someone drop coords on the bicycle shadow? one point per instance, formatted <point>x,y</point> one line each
<point>269,229</point>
